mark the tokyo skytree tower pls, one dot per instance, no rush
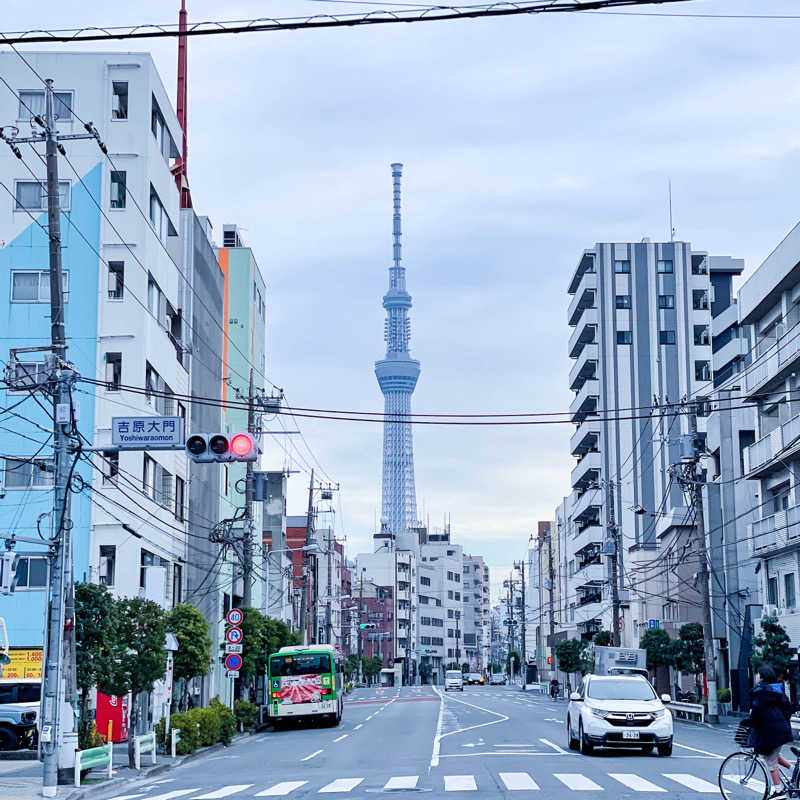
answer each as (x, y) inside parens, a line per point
(397, 375)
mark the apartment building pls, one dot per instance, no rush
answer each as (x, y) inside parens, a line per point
(641, 339)
(475, 611)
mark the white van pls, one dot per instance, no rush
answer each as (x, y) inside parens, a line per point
(453, 679)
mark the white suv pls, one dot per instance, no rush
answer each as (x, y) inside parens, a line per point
(618, 711)
(453, 679)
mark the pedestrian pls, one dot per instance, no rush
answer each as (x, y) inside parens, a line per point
(770, 711)
(554, 688)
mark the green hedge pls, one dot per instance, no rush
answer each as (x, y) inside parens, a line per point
(246, 714)
(200, 727)
(227, 720)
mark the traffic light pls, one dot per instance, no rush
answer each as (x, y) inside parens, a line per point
(367, 626)
(223, 447)
(8, 572)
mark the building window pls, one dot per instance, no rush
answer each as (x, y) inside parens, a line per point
(32, 196)
(458, 595)
(26, 375)
(118, 188)
(700, 300)
(772, 591)
(119, 100)
(624, 337)
(449, 594)
(158, 393)
(116, 280)
(31, 103)
(666, 301)
(622, 267)
(113, 371)
(161, 133)
(159, 218)
(33, 285)
(27, 473)
(699, 265)
(148, 475)
(177, 584)
(179, 498)
(788, 587)
(666, 337)
(110, 467)
(702, 370)
(664, 265)
(701, 336)
(108, 562)
(425, 581)
(623, 301)
(32, 572)
(780, 498)
(450, 613)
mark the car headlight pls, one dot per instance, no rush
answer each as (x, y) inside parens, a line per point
(660, 714)
(598, 712)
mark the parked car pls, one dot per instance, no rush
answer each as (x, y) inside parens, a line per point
(453, 679)
(19, 710)
(618, 711)
(474, 679)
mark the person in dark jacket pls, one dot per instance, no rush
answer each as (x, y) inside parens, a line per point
(770, 711)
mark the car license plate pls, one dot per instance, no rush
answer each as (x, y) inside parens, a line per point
(630, 734)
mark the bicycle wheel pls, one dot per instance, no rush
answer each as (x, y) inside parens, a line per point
(743, 776)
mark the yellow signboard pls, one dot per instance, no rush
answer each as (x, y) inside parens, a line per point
(26, 662)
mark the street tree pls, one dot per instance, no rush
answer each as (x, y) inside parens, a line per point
(603, 639)
(660, 649)
(141, 658)
(372, 666)
(193, 656)
(350, 666)
(96, 639)
(773, 645)
(569, 654)
(512, 662)
(690, 653)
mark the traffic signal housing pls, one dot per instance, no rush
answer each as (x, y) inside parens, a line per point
(222, 447)
(367, 626)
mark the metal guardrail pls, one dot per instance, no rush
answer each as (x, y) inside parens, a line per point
(146, 743)
(689, 710)
(93, 757)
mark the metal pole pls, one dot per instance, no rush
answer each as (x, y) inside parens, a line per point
(249, 526)
(329, 610)
(703, 575)
(524, 665)
(304, 580)
(553, 667)
(58, 734)
(360, 607)
(612, 532)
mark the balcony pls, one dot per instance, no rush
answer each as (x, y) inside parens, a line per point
(586, 264)
(585, 438)
(589, 579)
(736, 348)
(587, 471)
(587, 505)
(763, 457)
(588, 537)
(774, 357)
(776, 532)
(584, 297)
(585, 367)
(584, 333)
(585, 401)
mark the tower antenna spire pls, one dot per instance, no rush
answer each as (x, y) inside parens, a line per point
(179, 170)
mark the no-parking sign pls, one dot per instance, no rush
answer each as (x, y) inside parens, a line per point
(233, 662)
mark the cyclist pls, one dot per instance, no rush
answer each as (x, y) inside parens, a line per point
(770, 711)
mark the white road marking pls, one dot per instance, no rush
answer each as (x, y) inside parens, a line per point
(503, 718)
(554, 746)
(308, 758)
(692, 782)
(225, 791)
(517, 781)
(281, 789)
(695, 750)
(577, 782)
(514, 745)
(175, 793)
(341, 785)
(343, 736)
(360, 725)
(756, 786)
(460, 783)
(402, 782)
(438, 735)
(635, 782)
(128, 796)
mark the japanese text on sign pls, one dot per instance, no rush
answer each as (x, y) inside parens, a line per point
(147, 433)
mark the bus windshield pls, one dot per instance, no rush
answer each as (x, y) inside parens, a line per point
(305, 664)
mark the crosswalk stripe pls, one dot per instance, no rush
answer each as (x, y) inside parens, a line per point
(341, 785)
(281, 789)
(173, 794)
(128, 796)
(516, 781)
(225, 791)
(402, 782)
(576, 781)
(460, 783)
(635, 782)
(756, 786)
(691, 782)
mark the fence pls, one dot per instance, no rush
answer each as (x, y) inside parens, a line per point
(93, 757)
(146, 743)
(688, 710)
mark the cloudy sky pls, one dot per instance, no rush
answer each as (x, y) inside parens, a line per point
(525, 140)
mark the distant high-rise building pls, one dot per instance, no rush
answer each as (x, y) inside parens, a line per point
(397, 375)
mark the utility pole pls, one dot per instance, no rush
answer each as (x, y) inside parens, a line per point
(304, 579)
(551, 587)
(360, 609)
(613, 540)
(694, 480)
(249, 525)
(329, 609)
(524, 665)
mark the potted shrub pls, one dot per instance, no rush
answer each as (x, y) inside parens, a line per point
(724, 700)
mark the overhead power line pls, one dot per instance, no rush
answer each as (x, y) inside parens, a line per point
(269, 24)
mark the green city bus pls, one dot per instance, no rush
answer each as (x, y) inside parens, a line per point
(305, 682)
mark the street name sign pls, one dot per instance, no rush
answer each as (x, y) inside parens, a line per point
(147, 433)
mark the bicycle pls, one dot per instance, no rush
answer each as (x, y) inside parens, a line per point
(744, 774)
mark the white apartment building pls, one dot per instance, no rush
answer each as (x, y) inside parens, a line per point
(475, 613)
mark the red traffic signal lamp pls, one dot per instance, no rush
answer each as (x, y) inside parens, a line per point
(222, 447)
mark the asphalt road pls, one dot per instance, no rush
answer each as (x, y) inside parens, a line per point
(489, 739)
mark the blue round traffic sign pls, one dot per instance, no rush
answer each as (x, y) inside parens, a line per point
(233, 662)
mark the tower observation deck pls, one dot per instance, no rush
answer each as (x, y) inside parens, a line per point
(397, 376)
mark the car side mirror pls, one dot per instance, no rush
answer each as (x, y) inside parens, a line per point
(665, 698)
(575, 697)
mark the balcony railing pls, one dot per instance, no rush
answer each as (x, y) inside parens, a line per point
(585, 366)
(587, 470)
(584, 333)
(583, 298)
(585, 401)
(585, 437)
(773, 355)
(775, 531)
(770, 446)
(587, 503)
(591, 535)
